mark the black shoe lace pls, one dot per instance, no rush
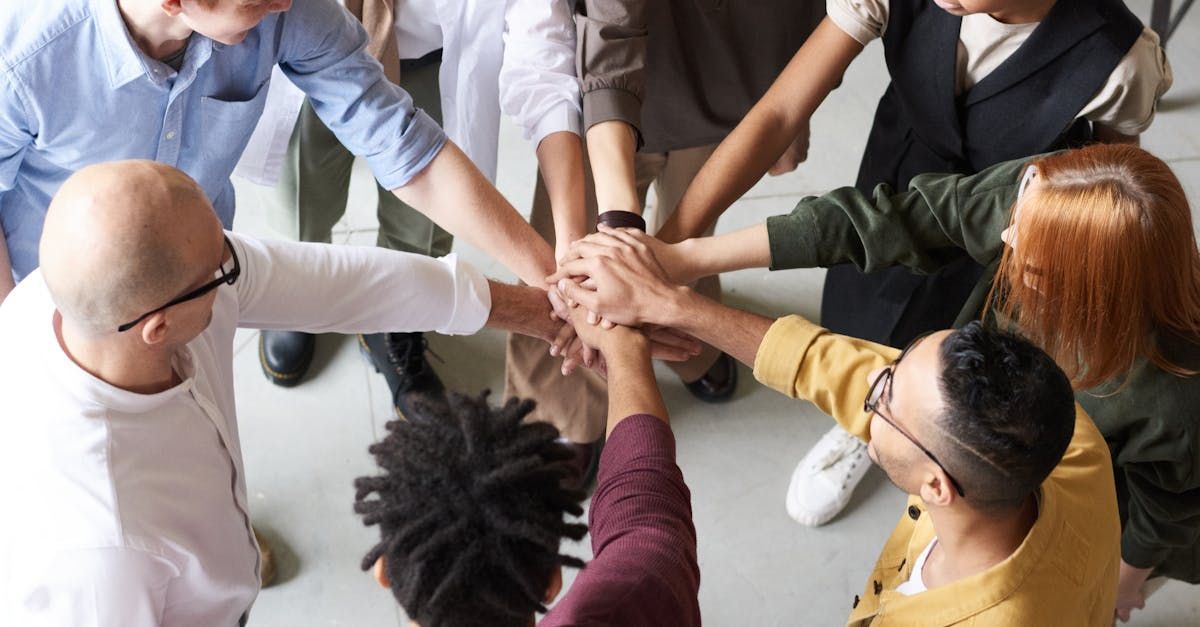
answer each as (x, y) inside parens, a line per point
(406, 352)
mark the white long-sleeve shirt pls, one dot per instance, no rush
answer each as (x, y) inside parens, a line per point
(515, 56)
(124, 509)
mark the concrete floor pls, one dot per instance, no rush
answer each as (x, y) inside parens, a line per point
(304, 447)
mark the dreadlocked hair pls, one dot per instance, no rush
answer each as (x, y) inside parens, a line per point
(470, 508)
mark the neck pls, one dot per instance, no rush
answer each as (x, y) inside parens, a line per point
(970, 541)
(1024, 12)
(112, 360)
(158, 34)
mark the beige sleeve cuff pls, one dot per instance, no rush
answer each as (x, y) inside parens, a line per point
(1128, 101)
(863, 20)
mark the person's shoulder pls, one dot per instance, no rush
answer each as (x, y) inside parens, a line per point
(27, 303)
(27, 28)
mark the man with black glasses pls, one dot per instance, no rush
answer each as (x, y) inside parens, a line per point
(1012, 513)
(120, 462)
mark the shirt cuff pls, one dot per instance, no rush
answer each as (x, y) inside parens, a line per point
(782, 352)
(415, 150)
(611, 103)
(851, 24)
(561, 118)
(472, 298)
(793, 239)
(1139, 555)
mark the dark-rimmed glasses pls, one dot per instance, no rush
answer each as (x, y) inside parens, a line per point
(874, 399)
(222, 277)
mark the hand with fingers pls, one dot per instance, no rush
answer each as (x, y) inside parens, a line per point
(623, 281)
(670, 257)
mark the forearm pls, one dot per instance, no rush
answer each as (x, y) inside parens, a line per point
(455, 195)
(767, 130)
(705, 256)
(6, 280)
(560, 161)
(632, 387)
(521, 309)
(734, 331)
(611, 148)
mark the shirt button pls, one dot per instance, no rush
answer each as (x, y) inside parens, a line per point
(914, 512)
(170, 134)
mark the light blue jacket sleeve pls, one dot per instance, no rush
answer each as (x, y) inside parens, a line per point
(15, 133)
(323, 51)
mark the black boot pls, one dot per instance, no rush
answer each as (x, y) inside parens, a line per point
(285, 356)
(400, 358)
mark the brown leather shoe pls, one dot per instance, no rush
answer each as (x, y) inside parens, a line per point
(266, 568)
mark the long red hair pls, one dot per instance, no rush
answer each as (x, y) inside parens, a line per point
(1103, 261)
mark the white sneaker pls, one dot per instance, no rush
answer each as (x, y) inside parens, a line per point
(824, 480)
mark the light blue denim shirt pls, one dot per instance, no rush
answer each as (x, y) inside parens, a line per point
(75, 90)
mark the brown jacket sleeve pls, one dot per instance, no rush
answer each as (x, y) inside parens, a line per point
(611, 60)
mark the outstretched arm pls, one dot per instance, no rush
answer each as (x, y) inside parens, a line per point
(759, 141)
(612, 69)
(455, 195)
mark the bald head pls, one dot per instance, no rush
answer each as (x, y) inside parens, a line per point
(122, 238)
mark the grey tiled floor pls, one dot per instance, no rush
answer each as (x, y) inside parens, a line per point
(303, 447)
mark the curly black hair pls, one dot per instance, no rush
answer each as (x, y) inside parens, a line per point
(1010, 410)
(471, 509)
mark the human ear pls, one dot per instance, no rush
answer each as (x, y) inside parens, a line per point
(936, 489)
(380, 573)
(172, 7)
(556, 584)
(154, 331)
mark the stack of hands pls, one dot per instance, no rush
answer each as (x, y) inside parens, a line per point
(612, 282)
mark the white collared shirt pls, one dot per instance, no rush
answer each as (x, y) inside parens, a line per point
(515, 56)
(130, 510)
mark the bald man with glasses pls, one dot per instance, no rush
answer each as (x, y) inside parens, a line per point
(120, 461)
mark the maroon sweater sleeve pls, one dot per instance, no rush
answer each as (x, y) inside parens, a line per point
(644, 569)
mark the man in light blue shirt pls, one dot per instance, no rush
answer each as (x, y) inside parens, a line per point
(85, 81)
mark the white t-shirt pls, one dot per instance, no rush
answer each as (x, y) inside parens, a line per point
(130, 509)
(916, 583)
(1126, 103)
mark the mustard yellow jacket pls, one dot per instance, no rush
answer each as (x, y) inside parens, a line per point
(1063, 574)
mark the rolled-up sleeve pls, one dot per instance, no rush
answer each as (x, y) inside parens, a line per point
(323, 288)
(804, 360)
(324, 53)
(612, 60)
(538, 85)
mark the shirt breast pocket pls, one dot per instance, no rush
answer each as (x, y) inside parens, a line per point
(229, 123)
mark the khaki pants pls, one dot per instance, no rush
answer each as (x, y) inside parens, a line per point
(578, 404)
(312, 192)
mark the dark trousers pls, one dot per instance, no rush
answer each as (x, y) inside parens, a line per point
(893, 306)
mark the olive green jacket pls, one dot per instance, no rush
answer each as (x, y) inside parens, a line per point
(1152, 424)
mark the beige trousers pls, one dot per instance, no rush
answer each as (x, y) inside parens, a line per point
(578, 404)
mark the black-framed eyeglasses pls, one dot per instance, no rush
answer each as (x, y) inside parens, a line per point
(226, 274)
(871, 405)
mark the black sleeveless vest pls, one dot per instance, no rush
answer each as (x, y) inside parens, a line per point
(1026, 106)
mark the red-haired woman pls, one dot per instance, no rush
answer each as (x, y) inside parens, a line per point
(1100, 267)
